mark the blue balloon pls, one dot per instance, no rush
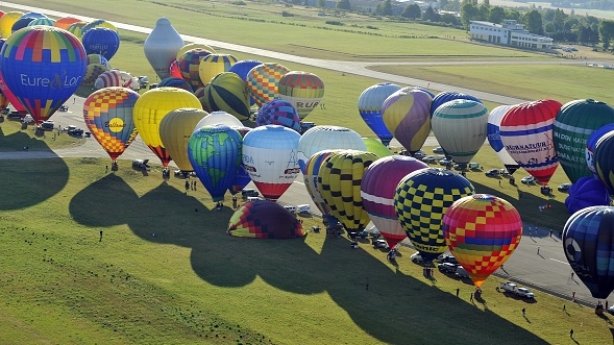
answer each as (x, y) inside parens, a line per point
(370, 108)
(242, 68)
(588, 240)
(215, 154)
(604, 164)
(585, 192)
(176, 82)
(21, 23)
(591, 144)
(101, 41)
(447, 96)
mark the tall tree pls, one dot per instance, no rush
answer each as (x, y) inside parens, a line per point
(344, 5)
(533, 20)
(412, 12)
(497, 14)
(469, 12)
(606, 30)
(385, 8)
(430, 15)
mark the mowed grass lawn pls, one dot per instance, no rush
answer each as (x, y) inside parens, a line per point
(166, 272)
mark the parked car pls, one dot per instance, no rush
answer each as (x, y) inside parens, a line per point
(449, 258)
(528, 180)
(429, 159)
(524, 293)
(438, 150)
(512, 288)
(416, 258)
(47, 125)
(508, 286)
(493, 173)
(445, 161)
(419, 154)
(380, 244)
(564, 187)
(461, 272)
(246, 193)
(447, 268)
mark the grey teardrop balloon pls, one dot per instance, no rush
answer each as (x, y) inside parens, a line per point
(161, 47)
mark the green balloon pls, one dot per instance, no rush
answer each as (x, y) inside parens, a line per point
(375, 146)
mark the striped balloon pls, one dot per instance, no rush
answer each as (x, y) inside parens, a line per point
(98, 23)
(263, 81)
(320, 138)
(212, 65)
(448, 96)
(42, 21)
(113, 78)
(377, 189)
(310, 177)
(279, 112)
(526, 132)
(108, 116)
(77, 29)
(188, 64)
(370, 104)
(303, 90)
(460, 128)
(494, 138)
(227, 92)
(482, 232)
(96, 65)
(191, 46)
(407, 116)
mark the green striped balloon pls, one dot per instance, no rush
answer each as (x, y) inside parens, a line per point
(227, 92)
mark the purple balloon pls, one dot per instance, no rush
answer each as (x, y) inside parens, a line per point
(279, 112)
(585, 192)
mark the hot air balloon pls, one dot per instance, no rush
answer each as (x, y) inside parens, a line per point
(526, 132)
(175, 71)
(215, 154)
(339, 185)
(214, 64)
(98, 23)
(263, 80)
(242, 67)
(591, 144)
(4, 102)
(264, 219)
(188, 64)
(375, 146)
(242, 178)
(269, 156)
(219, 118)
(421, 200)
(64, 23)
(161, 47)
(303, 90)
(175, 131)
(10, 96)
(175, 82)
(21, 23)
(494, 138)
(572, 128)
(42, 21)
(76, 28)
(150, 110)
(482, 232)
(585, 192)
(447, 96)
(279, 112)
(116, 78)
(370, 104)
(191, 46)
(604, 164)
(43, 66)
(101, 41)
(108, 116)
(96, 65)
(460, 128)
(320, 138)
(377, 189)
(310, 177)
(7, 21)
(588, 241)
(407, 116)
(227, 92)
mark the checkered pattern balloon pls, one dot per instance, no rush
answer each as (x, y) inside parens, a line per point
(264, 219)
(263, 81)
(188, 65)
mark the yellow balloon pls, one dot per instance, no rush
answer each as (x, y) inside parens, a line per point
(175, 131)
(214, 64)
(7, 21)
(191, 46)
(152, 107)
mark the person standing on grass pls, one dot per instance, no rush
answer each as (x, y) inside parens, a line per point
(100, 240)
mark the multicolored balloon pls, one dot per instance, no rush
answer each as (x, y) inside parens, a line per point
(320, 138)
(43, 66)
(99, 23)
(303, 90)
(189, 63)
(191, 46)
(588, 241)
(339, 185)
(482, 232)
(604, 164)
(215, 154)
(96, 65)
(212, 65)
(264, 219)
(421, 200)
(377, 190)
(447, 96)
(572, 128)
(407, 116)
(279, 112)
(150, 110)
(310, 177)
(263, 81)
(370, 104)
(42, 21)
(116, 78)
(75, 29)
(494, 138)
(161, 47)
(64, 23)
(101, 41)
(7, 21)
(526, 132)
(591, 145)
(587, 191)
(10, 96)
(108, 116)
(270, 158)
(227, 92)
(460, 128)
(175, 131)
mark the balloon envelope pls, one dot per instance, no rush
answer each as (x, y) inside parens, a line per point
(189, 63)
(407, 116)
(175, 131)
(263, 81)
(370, 104)
(588, 240)
(303, 90)
(494, 138)
(320, 138)
(604, 164)
(242, 67)
(585, 192)
(214, 64)
(227, 92)
(161, 47)
(101, 41)
(7, 21)
(279, 112)
(175, 82)
(482, 232)
(447, 96)
(591, 145)
(114, 78)
(64, 23)
(310, 177)
(264, 219)
(219, 118)
(375, 146)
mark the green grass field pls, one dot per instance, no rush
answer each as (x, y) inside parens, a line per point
(13, 138)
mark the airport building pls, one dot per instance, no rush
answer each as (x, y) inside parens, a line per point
(509, 33)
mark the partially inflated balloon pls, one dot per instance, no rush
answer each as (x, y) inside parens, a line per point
(279, 112)
(98, 23)
(370, 104)
(188, 64)
(96, 65)
(175, 82)
(161, 47)
(407, 116)
(75, 29)
(7, 21)
(303, 89)
(494, 138)
(588, 241)
(591, 145)
(375, 146)
(264, 219)
(64, 23)
(108, 116)
(214, 64)
(320, 138)
(116, 78)
(151, 109)
(526, 132)
(219, 118)
(460, 128)
(269, 156)
(191, 46)
(215, 154)
(227, 92)
(377, 189)
(174, 70)
(482, 232)
(572, 128)
(42, 21)
(604, 164)
(585, 192)
(21, 23)
(175, 131)
(101, 41)
(43, 66)
(448, 96)
(421, 200)
(263, 81)
(339, 184)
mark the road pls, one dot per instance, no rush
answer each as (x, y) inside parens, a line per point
(548, 271)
